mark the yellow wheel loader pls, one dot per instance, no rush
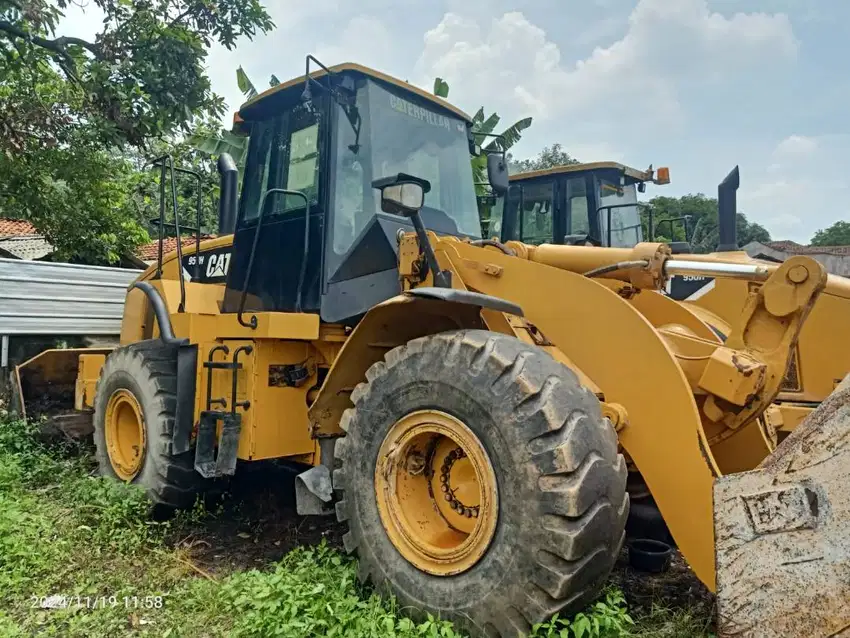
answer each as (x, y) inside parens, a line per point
(598, 204)
(467, 406)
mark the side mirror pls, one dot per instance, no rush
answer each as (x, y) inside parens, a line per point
(497, 173)
(402, 194)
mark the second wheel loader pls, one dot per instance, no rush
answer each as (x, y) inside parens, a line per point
(598, 203)
(465, 405)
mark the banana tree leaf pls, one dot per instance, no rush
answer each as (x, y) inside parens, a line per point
(510, 136)
(485, 127)
(245, 84)
(441, 88)
(478, 117)
(273, 81)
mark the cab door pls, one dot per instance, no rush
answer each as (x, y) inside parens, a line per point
(284, 152)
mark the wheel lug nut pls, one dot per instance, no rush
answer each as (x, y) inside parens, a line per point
(444, 487)
(449, 498)
(468, 513)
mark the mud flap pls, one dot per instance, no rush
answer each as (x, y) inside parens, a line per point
(782, 533)
(314, 488)
(314, 492)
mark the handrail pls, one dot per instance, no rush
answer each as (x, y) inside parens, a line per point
(161, 161)
(253, 322)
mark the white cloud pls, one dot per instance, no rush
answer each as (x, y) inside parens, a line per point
(804, 189)
(795, 145)
(669, 48)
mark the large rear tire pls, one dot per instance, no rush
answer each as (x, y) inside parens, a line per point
(527, 504)
(134, 412)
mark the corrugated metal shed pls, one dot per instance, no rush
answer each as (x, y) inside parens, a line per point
(41, 298)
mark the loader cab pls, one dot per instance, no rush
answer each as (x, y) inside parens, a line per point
(581, 203)
(351, 126)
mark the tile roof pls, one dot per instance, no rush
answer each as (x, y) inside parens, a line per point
(148, 252)
(793, 248)
(28, 247)
(15, 227)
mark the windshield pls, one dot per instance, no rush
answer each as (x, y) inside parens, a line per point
(621, 202)
(383, 134)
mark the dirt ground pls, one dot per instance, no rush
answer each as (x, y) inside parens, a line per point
(255, 523)
(678, 588)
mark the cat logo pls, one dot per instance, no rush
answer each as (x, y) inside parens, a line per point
(217, 265)
(211, 266)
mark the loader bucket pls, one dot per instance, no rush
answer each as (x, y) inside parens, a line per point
(46, 383)
(783, 533)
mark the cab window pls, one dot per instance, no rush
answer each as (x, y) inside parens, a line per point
(284, 153)
(537, 213)
(577, 220)
(619, 204)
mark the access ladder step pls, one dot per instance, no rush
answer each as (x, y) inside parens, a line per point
(208, 463)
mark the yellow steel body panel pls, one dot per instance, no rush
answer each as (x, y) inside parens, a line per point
(791, 415)
(824, 357)
(279, 425)
(275, 423)
(51, 375)
(87, 376)
(720, 379)
(387, 325)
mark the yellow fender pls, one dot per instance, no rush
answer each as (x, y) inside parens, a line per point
(618, 348)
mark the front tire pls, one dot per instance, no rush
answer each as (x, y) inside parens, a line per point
(134, 411)
(509, 431)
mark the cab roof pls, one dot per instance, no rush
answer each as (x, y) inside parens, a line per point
(641, 176)
(358, 68)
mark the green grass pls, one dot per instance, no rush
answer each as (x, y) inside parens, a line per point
(65, 532)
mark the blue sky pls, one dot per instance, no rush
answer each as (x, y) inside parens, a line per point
(696, 85)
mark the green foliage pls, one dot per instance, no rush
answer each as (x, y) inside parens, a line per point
(606, 618)
(79, 118)
(64, 532)
(141, 77)
(213, 141)
(441, 88)
(702, 211)
(245, 84)
(482, 130)
(836, 235)
(313, 592)
(549, 157)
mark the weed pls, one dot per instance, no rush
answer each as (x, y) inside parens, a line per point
(313, 591)
(64, 532)
(606, 618)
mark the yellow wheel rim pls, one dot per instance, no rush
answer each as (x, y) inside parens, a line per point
(436, 492)
(125, 434)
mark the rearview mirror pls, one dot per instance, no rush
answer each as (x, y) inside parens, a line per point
(402, 194)
(497, 173)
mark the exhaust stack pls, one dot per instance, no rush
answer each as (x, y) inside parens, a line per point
(227, 202)
(727, 211)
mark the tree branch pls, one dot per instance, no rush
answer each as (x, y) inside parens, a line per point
(58, 46)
